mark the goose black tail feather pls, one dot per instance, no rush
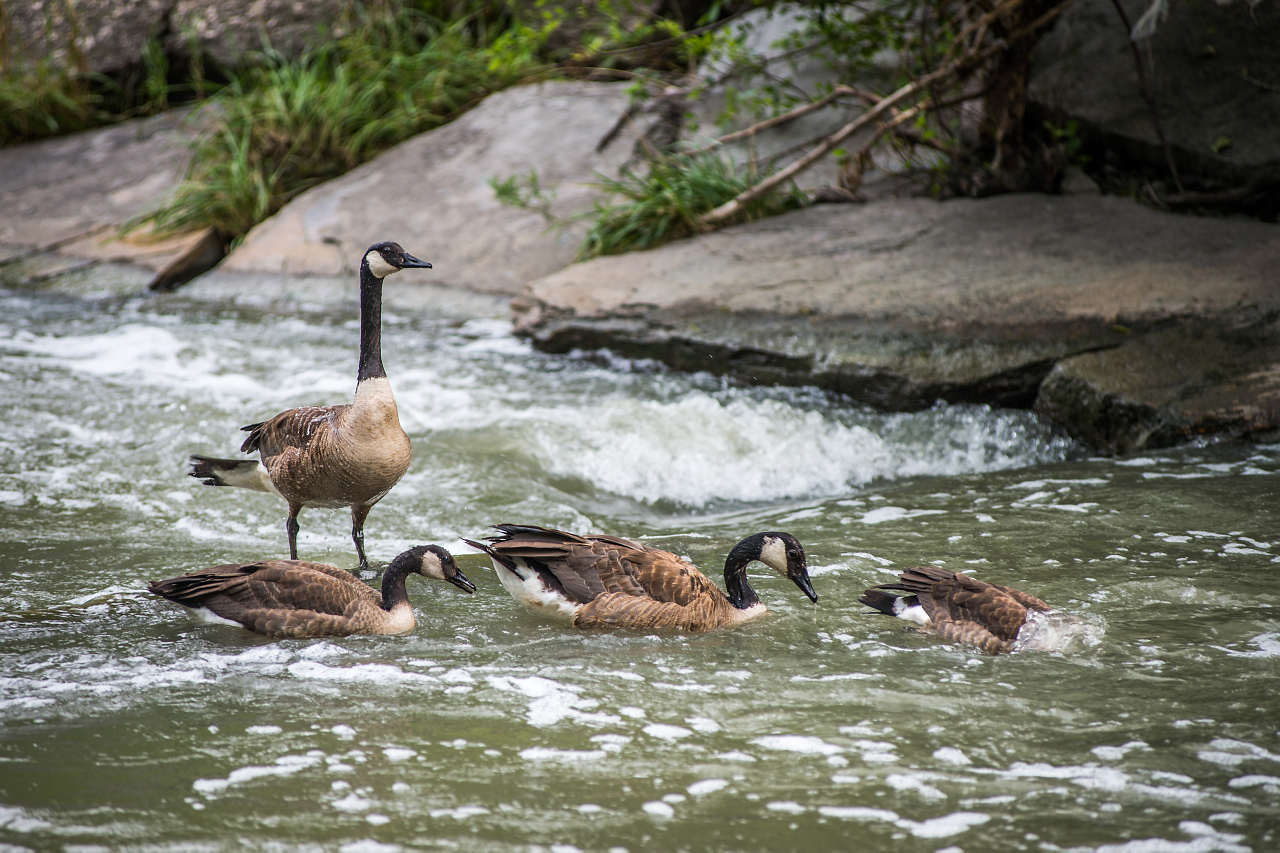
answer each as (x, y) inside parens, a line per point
(501, 560)
(886, 602)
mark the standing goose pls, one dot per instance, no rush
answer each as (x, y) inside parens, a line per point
(332, 456)
(992, 617)
(295, 598)
(607, 582)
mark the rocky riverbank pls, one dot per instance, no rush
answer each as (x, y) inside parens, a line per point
(1130, 327)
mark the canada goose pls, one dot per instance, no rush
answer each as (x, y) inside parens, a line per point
(332, 456)
(607, 582)
(954, 606)
(296, 598)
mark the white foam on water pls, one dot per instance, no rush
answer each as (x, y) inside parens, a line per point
(944, 826)
(1115, 753)
(858, 813)
(705, 725)
(951, 755)
(707, 786)
(368, 845)
(365, 673)
(1231, 753)
(611, 742)
(459, 812)
(657, 808)
(16, 819)
(353, 803)
(1204, 839)
(398, 753)
(550, 701)
(665, 731)
(917, 782)
(286, 765)
(788, 806)
(896, 513)
(699, 448)
(543, 753)
(803, 744)
(144, 353)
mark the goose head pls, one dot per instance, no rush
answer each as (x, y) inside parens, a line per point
(383, 259)
(432, 561)
(780, 552)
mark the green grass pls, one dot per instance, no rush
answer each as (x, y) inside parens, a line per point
(664, 204)
(286, 126)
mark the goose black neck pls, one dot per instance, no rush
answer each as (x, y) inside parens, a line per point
(393, 590)
(736, 585)
(370, 325)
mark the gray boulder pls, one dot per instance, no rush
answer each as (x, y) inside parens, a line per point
(63, 201)
(111, 34)
(432, 194)
(1214, 72)
(898, 304)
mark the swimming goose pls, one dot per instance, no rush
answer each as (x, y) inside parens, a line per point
(332, 456)
(296, 598)
(992, 617)
(608, 582)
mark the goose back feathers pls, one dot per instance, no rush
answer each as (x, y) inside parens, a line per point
(610, 582)
(346, 455)
(296, 598)
(959, 608)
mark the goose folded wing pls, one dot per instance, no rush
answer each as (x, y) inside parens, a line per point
(301, 586)
(962, 599)
(665, 577)
(292, 429)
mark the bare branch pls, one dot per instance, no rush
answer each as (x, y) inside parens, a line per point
(733, 206)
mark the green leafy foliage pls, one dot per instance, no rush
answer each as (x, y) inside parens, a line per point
(664, 204)
(285, 126)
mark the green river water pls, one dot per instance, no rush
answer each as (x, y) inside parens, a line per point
(127, 723)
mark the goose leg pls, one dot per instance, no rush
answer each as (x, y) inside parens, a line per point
(358, 515)
(291, 527)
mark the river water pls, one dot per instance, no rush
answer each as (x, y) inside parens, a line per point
(128, 723)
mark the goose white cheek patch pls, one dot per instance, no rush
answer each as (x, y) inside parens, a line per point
(378, 265)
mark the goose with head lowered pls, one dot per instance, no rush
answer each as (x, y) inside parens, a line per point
(296, 598)
(964, 610)
(608, 582)
(332, 456)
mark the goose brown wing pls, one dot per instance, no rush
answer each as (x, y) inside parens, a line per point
(292, 433)
(617, 610)
(586, 567)
(232, 591)
(953, 597)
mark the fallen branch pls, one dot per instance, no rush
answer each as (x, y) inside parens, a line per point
(783, 118)
(731, 207)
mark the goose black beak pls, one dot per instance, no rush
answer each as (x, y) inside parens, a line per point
(460, 580)
(412, 263)
(801, 579)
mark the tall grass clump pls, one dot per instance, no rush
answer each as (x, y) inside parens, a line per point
(665, 203)
(285, 126)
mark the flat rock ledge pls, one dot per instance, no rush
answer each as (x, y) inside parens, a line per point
(1129, 327)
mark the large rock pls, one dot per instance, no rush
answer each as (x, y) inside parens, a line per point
(1214, 72)
(111, 35)
(432, 194)
(63, 201)
(900, 303)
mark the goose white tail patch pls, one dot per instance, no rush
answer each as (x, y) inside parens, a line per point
(378, 265)
(914, 613)
(528, 589)
(249, 476)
